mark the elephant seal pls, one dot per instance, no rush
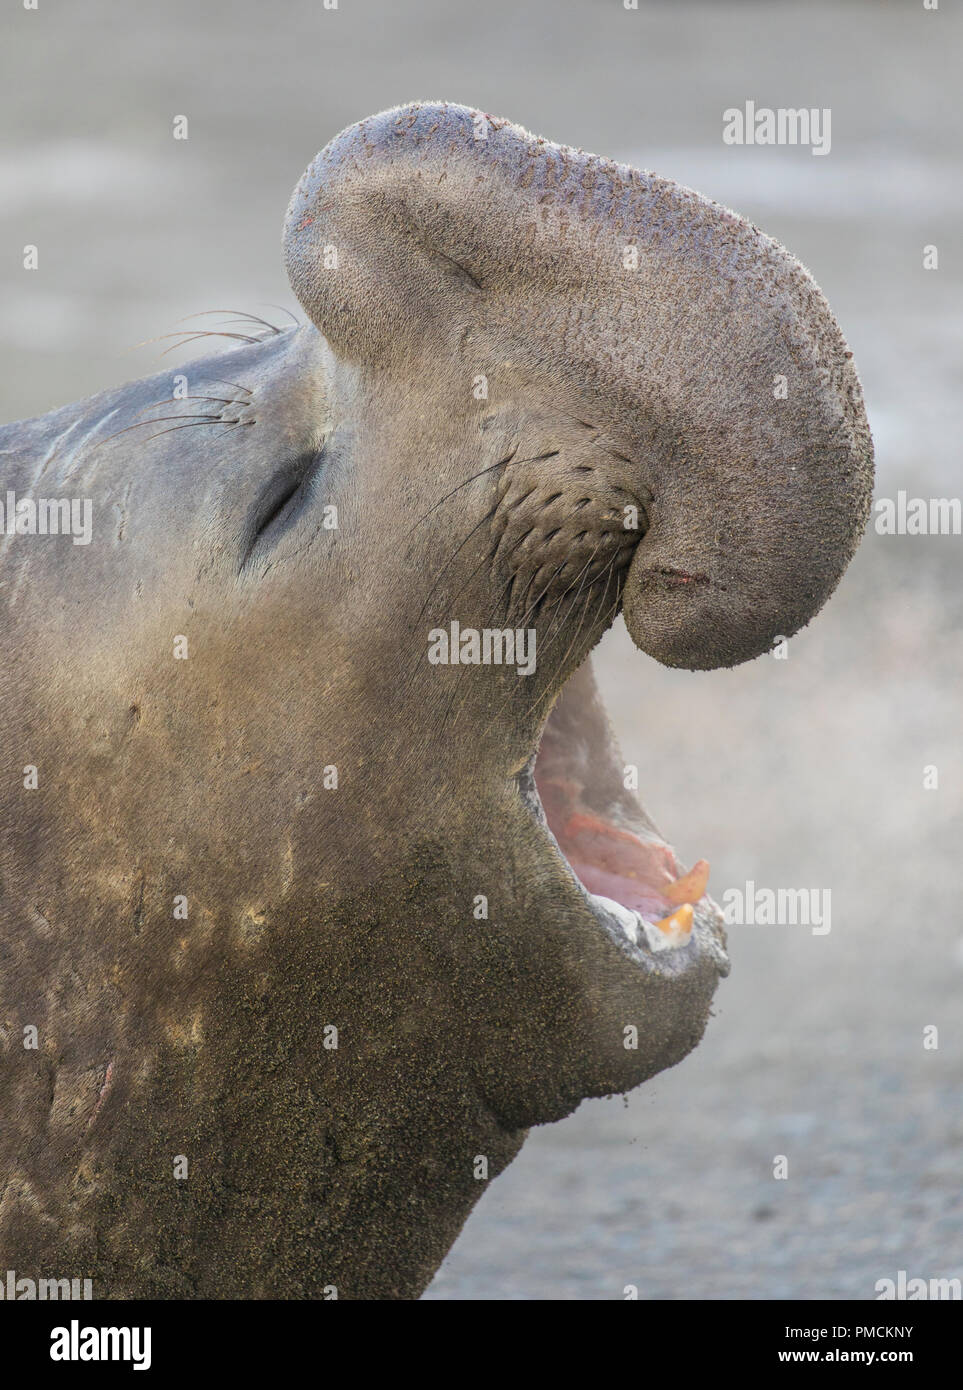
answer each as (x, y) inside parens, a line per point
(321, 883)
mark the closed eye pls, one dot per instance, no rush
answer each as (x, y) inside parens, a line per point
(280, 501)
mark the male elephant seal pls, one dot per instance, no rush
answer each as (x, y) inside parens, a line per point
(293, 950)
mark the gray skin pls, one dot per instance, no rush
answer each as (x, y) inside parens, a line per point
(313, 1167)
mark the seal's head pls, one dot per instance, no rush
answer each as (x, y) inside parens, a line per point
(332, 860)
(599, 392)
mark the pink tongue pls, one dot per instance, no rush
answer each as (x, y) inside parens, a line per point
(640, 873)
(617, 863)
(628, 891)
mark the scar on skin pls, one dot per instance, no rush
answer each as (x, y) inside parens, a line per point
(108, 1077)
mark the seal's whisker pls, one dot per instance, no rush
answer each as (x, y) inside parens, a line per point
(238, 314)
(531, 580)
(256, 318)
(191, 424)
(234, 384)
(485, 559)
(560, 667)
(173, 400)
(517, 599)
(535, 602)
(511, 695)
(499, 607)
(487, 517)
(191, 336)
(609, 571)
(258, 335)
(194, 419)
(557, 624)
(224, 400)
(500, 464)
(496, 612)
(536, 458)
(282, 310)
(561, 613)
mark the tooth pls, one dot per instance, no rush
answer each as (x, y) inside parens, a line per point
(679, 924)
(627, 919)
(671, 933)
(691, 887)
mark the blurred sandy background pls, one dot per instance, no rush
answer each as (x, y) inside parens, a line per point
(803, 773)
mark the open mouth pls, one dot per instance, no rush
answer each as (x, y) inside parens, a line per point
(574, 786)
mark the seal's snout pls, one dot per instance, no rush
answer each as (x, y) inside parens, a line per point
(762, 492)
(758, 551)
(697, 625)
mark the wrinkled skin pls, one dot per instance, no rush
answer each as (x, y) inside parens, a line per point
(313, 1167)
